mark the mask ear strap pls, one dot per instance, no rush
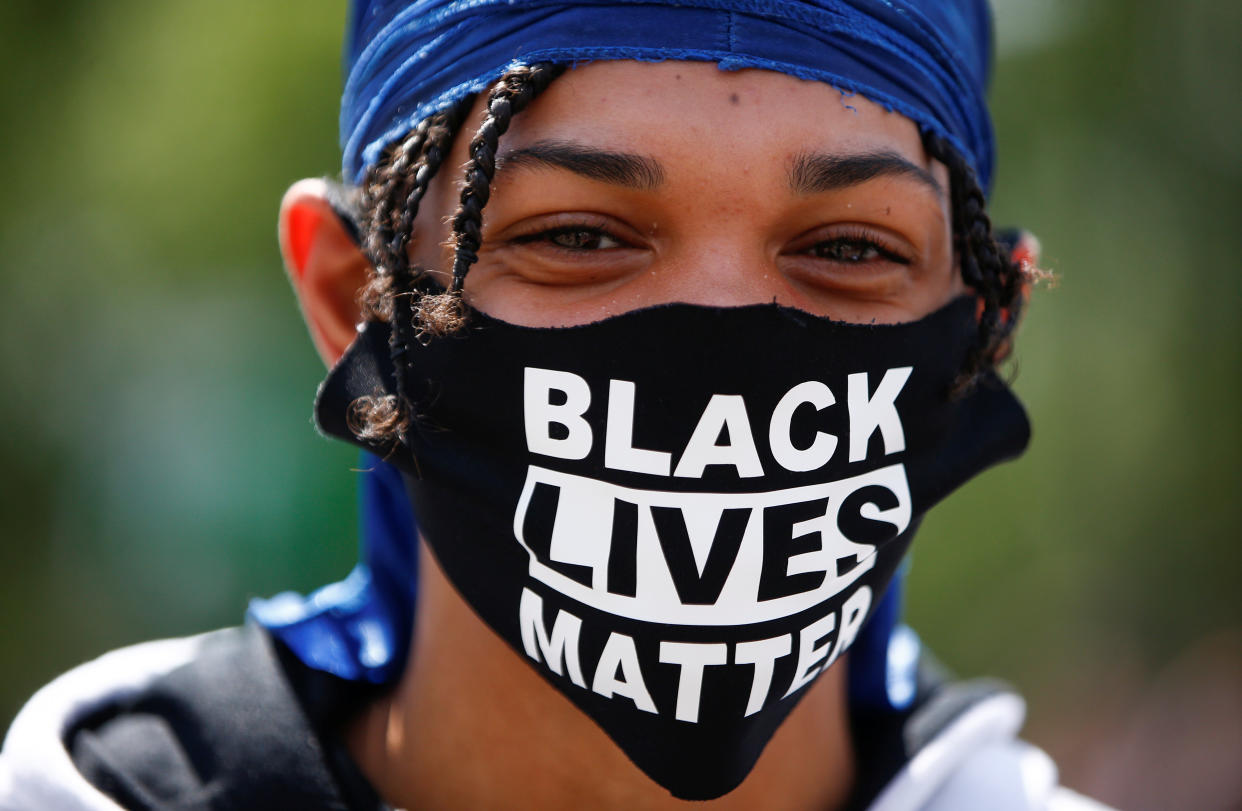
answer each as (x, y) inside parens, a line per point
(364, 371)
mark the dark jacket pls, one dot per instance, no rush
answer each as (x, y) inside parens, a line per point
(233, 720)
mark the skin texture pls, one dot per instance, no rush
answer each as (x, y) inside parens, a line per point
(735, 195)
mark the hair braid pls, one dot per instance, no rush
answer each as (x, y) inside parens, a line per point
(381, 187)
(510, 96)
(391, 195)
(439, 136)
(439, 314)
(996, 279)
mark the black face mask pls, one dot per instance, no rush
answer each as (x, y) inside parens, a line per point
(680, 516)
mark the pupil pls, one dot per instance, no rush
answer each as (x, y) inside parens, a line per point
(847, 250)
(579, 240)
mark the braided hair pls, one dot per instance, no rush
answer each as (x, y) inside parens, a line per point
(390, 197)
(999, 282)
(394, 187)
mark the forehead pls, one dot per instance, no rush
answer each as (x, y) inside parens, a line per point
(697, 108)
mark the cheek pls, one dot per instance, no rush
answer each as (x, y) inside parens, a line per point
(511, 297)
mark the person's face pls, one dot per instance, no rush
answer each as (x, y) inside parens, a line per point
(630, 184)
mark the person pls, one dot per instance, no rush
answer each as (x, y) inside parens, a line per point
(663, 381)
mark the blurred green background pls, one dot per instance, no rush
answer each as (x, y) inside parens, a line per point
(159, 466)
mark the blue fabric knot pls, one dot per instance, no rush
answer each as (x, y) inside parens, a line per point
(360, 628)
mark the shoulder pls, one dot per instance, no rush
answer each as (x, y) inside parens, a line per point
(36, 770)
(962, 753)
(214, 720)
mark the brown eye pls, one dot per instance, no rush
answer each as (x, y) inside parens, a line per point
(851, 250)
(846, 250)
(576, 239)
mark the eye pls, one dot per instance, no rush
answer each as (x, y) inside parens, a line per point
(579, 238)
(856, 248)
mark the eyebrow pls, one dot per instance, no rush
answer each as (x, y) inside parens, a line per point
(813, 173)
(618, 168)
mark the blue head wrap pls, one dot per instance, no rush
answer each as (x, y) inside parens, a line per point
(927, 59)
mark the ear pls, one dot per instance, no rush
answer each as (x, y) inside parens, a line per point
(325, 265)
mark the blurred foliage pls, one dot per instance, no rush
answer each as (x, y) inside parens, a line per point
(158, 461)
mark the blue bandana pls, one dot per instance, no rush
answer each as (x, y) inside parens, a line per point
(928, 60)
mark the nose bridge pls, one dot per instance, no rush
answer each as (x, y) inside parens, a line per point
(724, 265)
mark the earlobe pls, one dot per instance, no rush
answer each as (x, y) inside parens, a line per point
(325, 265)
